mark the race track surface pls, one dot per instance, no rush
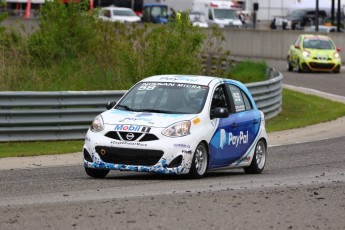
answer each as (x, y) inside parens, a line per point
(302, 187)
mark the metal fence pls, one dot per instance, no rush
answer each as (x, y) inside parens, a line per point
(34, 116)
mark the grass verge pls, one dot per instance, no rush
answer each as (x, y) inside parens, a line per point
(299, 110)
(23, 149)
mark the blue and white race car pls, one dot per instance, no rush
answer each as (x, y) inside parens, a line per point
(178, 124)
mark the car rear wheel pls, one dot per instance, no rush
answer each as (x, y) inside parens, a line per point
(259, 158)
(199, 162)
(96, 173)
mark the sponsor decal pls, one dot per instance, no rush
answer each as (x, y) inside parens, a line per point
(136, 119)
(182, 146)
(240, 139)
(188, 152)
(132, 128)
(245, 159)
(143, 115)
(181, 78)
(232, 139)
(128, 143)
(237, 97)
(196, 121)
(240, 108)
(153, 85)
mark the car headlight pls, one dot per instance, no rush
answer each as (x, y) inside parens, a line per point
(306, 53)
(97, 124)
(179, 129)
(336, 55)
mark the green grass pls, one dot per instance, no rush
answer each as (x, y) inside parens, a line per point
(248, 71)
(299, 110)
(21, 149)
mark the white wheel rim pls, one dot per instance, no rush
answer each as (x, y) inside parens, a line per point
(260, 153)
(200, 159)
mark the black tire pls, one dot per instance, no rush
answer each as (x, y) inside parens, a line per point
(337, 70)
(259, 159)
(199, 162)
(96, 173)
(299, 69)
(290, 67)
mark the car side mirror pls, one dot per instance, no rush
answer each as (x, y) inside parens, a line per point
(110, 104)
(220, 112)
(297, 47)
(338, 49)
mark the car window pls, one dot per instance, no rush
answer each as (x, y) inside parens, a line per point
(210, 16)
(296, 14)
(123, 13)
(219, 98)
(241, 101)
(197, 17)
(298, 41)
(157, 11)
(146, 12)
(225, 13)
(106, 13)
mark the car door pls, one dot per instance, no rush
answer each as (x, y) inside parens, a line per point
(236, 133)
(296, 50)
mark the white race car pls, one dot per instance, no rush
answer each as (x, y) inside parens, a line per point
(178, 124)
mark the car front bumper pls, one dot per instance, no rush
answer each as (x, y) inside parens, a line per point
(320, 65)
(173, 158)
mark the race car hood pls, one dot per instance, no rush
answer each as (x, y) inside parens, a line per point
(115, 116)
(321, 54)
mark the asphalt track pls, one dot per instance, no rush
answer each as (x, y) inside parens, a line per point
(302, 187)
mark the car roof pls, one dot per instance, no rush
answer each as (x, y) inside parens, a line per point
(117, 8)
(196, 12)
(154, 4)
(313, 28)
(188, 79)
(316, 35)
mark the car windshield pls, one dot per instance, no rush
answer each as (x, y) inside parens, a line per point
(197, 17)
(225, 14)
(123, 13)
(159, 11)
(296, 14)
(165, 97)
(323, 44)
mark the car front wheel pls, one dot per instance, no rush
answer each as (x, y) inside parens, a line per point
(259, 159)
(299, 69)
(290, 67)
(96, 173)
(199, 162)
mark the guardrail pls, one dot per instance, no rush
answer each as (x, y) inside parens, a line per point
(35, 116)
(268, 94)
